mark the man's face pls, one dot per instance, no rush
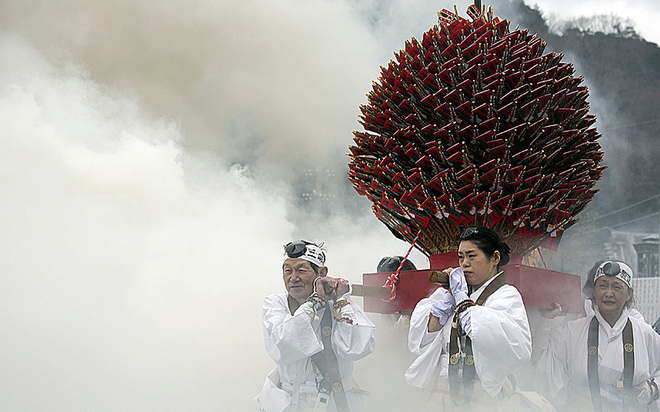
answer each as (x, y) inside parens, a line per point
(298, 278)
(610, 295)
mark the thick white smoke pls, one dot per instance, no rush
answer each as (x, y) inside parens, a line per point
(133, 268)
(125, 260)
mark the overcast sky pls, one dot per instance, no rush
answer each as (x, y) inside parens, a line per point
(133, 266)
(644, 13)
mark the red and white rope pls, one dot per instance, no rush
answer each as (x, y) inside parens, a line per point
(393, 279)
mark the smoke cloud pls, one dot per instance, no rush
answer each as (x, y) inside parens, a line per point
(137, 246)
(124, 257)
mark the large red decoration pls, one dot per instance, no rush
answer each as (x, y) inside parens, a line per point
(475, 125)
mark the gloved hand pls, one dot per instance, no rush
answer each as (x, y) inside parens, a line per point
(443, 308)
(458, 285)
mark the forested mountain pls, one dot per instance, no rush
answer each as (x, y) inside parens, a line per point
(622, 72)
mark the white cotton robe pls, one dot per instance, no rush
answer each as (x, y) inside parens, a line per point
(501, 339)
(291, 340)
(563, 364)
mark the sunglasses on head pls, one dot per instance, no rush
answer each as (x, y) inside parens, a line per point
(296, 249)
(469, 232)
(610, 269)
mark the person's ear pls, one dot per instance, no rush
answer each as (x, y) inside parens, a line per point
(323, 272)
(496, 257)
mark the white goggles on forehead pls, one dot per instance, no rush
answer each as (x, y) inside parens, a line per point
(617, 270)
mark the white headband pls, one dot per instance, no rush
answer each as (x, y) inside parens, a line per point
(625, 272)
(313, 254)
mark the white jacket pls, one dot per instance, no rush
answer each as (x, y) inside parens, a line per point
(563, 364)
(501, 339)
(291, 340)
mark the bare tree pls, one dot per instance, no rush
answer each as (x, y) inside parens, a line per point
(604, 23)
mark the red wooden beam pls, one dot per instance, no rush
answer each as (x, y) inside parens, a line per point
(538, 287)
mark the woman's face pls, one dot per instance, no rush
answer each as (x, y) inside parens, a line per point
(477, 267)
(611, 294)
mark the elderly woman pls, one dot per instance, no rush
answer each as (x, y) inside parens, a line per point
(608, 360)
(588, 295)
(469, 343)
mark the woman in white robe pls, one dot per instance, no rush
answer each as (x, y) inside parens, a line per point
(588, 304)
(497, 327)
(563, 375)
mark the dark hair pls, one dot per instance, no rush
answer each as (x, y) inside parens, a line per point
(391, 264)
(488, 242)
(588, 288)
(315, 268)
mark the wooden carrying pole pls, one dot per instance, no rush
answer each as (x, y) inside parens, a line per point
(385, 292)
(381, 292)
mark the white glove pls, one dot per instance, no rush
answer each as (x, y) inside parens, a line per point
(458, 285)
(443, 308)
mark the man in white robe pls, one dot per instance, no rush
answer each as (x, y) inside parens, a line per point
(293, 334)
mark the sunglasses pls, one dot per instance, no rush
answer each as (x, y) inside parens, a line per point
(613, 269)
(610, 269)
(469, 232)
(296, 249)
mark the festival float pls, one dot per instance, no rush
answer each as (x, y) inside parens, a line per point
(474, 125)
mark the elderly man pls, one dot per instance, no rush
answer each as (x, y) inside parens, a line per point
(313, 332)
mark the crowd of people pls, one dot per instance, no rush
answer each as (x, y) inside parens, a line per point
(472, 340)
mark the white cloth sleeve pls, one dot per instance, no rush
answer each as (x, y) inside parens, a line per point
(427, 345)
(552, 367)
(353, 341)
(418, 335)
(501, 339)
(465, 319)
(289, 338)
